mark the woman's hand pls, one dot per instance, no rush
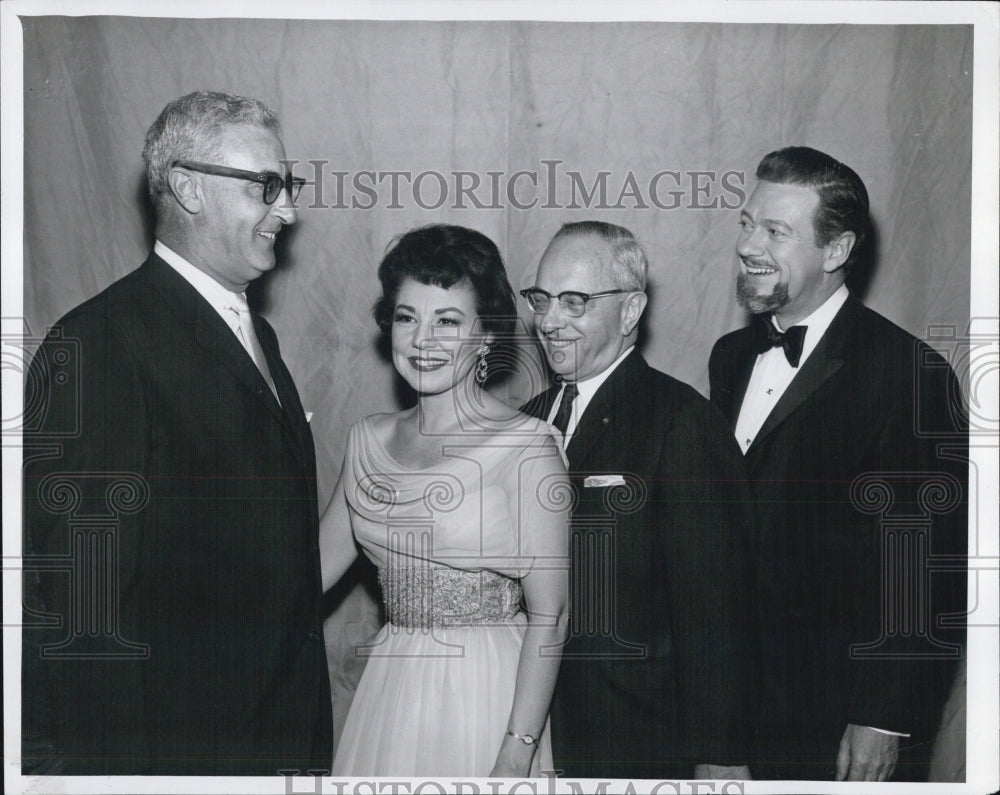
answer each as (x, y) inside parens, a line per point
(514, 759)
(545, 539)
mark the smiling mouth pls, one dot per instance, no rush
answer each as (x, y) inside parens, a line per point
(758, 268)
(268, 235)
(425, 364)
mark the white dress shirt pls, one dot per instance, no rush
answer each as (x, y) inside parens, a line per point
(232, 307)
(218, 297)
(772, 373)
(587, 389)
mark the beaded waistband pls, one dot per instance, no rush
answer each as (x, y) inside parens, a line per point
(428, 596)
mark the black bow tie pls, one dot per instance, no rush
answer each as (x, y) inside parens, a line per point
(766, 336)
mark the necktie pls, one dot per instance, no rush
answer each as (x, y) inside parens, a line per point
(249, 338)
(766, 336)
(561, 420)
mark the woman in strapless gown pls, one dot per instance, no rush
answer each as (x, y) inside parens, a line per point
(462, 503)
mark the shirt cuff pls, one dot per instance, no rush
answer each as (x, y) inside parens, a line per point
(886, 731)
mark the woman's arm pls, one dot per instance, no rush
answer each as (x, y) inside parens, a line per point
(337, 549)
(540, 500)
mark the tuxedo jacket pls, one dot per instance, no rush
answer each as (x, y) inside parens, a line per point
(173, 600)
(859, 474)
(658, 672)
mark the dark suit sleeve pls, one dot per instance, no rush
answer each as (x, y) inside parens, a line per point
(707, 526)
(84, 454)
(922, 450)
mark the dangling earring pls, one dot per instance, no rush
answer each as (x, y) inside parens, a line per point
(481, 367)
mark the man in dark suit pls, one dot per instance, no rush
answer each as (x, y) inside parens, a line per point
(840, 415)
(173, 607)
(657, 676)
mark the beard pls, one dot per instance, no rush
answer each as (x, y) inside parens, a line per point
(756, 303)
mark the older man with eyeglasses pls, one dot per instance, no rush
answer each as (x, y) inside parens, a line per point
(657, 678)
(173, 598)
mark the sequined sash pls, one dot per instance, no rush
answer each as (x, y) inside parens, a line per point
(428, 596)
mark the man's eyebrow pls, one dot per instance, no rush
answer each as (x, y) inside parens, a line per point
(776, 222)
(766, 221)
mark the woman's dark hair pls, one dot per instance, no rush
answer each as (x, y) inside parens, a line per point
(445, 255)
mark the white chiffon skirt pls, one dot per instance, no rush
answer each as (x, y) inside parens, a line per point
(434, 702)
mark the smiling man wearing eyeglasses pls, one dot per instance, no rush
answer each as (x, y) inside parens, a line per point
(657, 676)
(201, 651)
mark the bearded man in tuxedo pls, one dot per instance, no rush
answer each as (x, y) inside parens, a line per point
(855, 440)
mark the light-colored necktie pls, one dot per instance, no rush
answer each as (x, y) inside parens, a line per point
(250, 342)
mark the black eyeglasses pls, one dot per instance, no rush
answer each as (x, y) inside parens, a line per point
(272, 182)
(572, 303)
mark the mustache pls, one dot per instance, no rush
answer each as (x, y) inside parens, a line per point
(757, 262)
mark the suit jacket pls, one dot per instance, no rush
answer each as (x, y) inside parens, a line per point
(173, 601)
(838, 471)
(658, 671)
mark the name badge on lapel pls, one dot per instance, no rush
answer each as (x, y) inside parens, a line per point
(603, 481)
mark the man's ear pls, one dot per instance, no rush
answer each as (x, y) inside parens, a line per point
(632, 309)
(186, 189)
(837, 251)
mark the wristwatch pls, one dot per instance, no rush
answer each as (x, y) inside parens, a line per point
(527, 739)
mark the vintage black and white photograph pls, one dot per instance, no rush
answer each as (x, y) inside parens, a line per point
(494, 398)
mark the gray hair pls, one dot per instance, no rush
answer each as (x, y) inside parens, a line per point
(628, 259)
(189, 128)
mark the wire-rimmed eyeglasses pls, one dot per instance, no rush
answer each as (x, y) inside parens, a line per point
(571, 302)
(272, 182)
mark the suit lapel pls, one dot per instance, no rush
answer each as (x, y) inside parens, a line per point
(599, 417)
(740, 362)
(825, 360)
(291, 415)
(218, 340)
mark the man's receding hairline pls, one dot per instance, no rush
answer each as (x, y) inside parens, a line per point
(605, 260)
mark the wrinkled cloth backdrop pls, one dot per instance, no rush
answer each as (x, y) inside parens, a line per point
(630, 99)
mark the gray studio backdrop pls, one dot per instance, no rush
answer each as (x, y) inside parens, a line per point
(512, 128)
